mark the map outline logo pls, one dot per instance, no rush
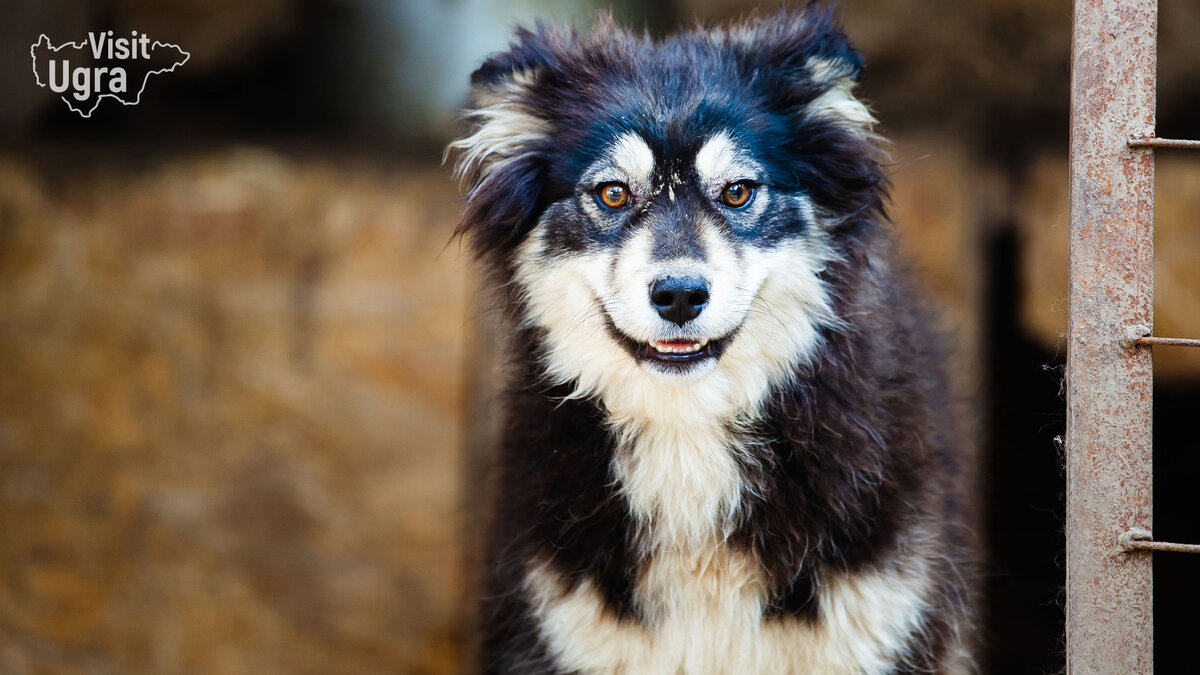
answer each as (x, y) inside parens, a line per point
(83, 86)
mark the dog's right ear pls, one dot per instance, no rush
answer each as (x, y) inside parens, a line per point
(503, 158)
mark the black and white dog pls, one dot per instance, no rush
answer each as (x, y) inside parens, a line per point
(728, 445)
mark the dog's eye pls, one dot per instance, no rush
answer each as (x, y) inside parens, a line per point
(613, 195)
(737, 194)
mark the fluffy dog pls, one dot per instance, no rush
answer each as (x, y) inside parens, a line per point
(728, 445)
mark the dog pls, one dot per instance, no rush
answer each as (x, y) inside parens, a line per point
(728, 445)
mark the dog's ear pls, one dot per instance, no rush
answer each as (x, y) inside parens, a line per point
(806, 68)
(815, 66)
(503, 158)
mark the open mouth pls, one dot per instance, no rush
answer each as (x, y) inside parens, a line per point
(676, 354)
(678, 351)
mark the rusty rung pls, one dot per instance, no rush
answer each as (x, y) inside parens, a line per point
(1151, 340)
(1156, 142)
(1138, 539)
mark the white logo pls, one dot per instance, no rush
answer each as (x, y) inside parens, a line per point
(119, 67)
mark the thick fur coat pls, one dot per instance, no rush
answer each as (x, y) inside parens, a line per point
(728, 444)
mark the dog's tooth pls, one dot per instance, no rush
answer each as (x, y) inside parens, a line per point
(664, 348)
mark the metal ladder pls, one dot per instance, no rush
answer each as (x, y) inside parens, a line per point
(1109, 380)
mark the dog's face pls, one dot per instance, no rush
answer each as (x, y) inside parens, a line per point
(669, 210)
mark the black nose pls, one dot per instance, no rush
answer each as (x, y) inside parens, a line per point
(679, 299)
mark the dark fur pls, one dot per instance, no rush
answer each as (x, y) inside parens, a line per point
(852, 455)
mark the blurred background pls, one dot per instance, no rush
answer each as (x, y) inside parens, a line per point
(245, 382)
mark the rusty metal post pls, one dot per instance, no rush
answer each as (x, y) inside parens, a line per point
(1109, 606)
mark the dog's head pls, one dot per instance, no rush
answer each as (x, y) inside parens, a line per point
(670, 209)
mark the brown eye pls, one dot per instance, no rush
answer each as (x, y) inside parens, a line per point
(736, 194)
(613, 195)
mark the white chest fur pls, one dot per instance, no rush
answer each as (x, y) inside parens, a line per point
(682, 482)
(702, 602)
(705, 617)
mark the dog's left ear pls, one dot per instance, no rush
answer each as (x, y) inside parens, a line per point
(504, 157)
(815, 65)
(806, 68)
